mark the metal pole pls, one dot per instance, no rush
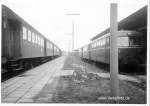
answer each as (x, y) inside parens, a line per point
(113, 51)
(72, 35)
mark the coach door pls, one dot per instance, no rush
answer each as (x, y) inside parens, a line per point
(45, 47)
(15, 31)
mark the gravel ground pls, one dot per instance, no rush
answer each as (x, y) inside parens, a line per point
(86, 86)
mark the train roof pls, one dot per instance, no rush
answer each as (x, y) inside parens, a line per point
(121, 33)
(136, 21)
(7, 12)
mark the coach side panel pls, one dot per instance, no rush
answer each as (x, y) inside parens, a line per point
(32, 45)
(49, 48)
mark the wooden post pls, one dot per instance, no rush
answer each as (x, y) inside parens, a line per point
(113, 51)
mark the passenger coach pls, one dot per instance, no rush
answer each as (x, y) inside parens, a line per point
(130, 48)
(22, 45)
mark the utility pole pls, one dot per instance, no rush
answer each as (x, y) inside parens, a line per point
(72, 35)
(114, 82)
(73, 14)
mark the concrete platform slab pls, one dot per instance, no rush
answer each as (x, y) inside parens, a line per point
(23, 88)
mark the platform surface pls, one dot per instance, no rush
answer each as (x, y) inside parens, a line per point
(68, 79)
(23, 88)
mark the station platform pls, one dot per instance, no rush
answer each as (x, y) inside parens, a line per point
(23, 88)
(68, 79)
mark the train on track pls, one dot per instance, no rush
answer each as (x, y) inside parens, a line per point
(130, 48)
(131, 41)
(22, 45)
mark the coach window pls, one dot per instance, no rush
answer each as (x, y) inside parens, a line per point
(37, 38)
(93, 45)
(24, 33)
(33, 37)
(123, 41)
(29, 35)
(99, 43)
(47, 45)
(107, 40)
(50, 46)
(104, 41)
(41, 42)
(54, 48)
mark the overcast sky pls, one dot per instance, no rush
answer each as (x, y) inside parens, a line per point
(49, 17)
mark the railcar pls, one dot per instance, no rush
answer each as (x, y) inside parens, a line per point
(130, 48)
(22, 45)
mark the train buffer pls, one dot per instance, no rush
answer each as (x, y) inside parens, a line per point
(24, 88)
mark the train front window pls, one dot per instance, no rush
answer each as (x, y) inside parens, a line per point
(135, 41)
(123, 41)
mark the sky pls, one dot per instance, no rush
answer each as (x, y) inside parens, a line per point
(50, 17)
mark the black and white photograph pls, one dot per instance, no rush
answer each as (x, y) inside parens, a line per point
(74, 52)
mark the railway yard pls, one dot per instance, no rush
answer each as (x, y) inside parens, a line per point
(110, 69)
(68, 79)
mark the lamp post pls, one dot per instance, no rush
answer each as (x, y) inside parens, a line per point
(73, 14)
